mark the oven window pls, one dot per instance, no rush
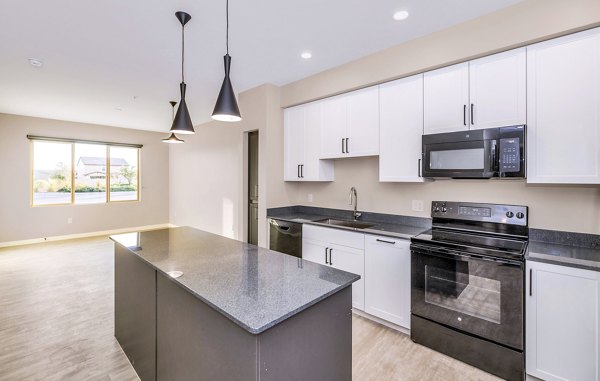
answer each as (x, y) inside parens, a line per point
(457, 159)
(462, 292)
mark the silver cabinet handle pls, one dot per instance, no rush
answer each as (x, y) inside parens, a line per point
(384, 241)
(347, 149)
(343, 150)
(326, 256)
(472, 122)
(330, 259)
(465, 115)
(419, 167)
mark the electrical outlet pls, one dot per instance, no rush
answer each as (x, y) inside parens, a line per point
(69, 220)
(417, 205)
(310, 197)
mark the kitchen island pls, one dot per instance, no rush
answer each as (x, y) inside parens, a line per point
(236, 312)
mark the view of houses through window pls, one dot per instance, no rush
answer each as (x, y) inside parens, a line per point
(79, 173)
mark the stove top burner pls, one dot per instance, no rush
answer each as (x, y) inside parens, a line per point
(474, 243)
(482, 229)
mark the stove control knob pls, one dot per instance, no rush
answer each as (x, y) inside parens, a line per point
(520, 215)
(510, 214)
(444, 209)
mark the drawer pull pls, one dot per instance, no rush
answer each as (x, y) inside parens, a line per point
(384, 241)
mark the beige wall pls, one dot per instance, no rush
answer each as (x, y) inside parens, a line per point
(209, 172)
(20, 221)
(518, 25)
(571, 208)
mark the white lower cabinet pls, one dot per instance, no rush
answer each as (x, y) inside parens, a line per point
(562, 322)
(387, 279)
(343, 250)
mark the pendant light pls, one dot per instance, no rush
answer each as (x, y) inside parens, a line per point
(172, 139)
(226, 108)
(182, 124)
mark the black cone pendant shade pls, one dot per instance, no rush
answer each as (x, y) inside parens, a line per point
(172, 139)
(182, 123)
(226, 108)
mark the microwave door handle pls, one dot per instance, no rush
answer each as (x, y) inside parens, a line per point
(493, 157)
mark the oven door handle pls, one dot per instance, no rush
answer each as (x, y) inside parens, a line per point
(445, 253)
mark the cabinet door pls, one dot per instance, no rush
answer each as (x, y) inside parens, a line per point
(314, 169)
(333, 127)
(387, 279)
(400, 130)
(563, 110)
(351, 260)
(446, 95)
(563, 315)
(314, 251)
(497, 90)
(293, 137)
(363, 122)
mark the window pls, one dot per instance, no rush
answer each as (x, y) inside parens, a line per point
(75, 172)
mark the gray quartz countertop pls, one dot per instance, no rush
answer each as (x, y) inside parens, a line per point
(564, 254)
(254, 287)
(390, 229)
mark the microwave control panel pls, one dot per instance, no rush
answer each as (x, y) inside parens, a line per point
(510, 155)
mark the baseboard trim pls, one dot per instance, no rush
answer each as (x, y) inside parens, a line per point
(88, 234)
(381, 321)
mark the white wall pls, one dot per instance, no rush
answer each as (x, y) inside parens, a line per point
(20, 221)
(208, 188)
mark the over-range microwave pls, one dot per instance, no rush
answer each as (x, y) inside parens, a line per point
(476, 154)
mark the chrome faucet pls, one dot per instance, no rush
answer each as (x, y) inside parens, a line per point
(355, 214)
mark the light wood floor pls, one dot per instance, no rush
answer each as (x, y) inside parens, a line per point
(56, 323)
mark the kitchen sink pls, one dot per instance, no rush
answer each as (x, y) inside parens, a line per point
(345, 223)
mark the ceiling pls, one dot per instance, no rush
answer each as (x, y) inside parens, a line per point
(117, 63)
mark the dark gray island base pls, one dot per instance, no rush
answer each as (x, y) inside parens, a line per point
(238, 312)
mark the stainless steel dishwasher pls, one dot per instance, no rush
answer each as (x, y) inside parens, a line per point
(285, 237)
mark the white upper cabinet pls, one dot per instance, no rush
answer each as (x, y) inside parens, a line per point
(333, 127)
(350, 124)
(484, 93)
(563, 115)
(446, 96)
(302, 131)
(497, 90)
(362, 131)
(293, 142)
(400, 129)
(563, 323)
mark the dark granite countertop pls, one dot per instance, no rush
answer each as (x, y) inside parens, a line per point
(564, 248)
(383, 224)
(254, 287)
(565, 255)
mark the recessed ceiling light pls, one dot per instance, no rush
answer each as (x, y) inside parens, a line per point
(35, 62)
(400, 15)
(306, 55)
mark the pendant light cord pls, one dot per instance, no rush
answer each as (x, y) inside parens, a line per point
(227, 17)
(182, 51)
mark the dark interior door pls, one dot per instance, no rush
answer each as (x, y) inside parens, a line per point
(253, 187)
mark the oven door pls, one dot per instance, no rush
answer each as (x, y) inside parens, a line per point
(477, 295)
(464, 159)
